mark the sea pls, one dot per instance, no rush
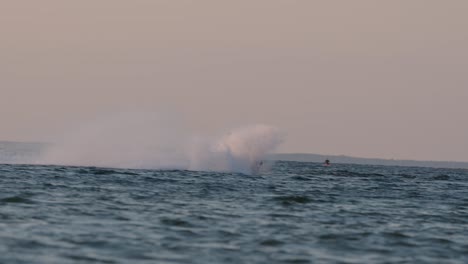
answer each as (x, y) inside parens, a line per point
(287, 212)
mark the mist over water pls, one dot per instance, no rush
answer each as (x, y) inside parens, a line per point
(238, 151)
(149, 141)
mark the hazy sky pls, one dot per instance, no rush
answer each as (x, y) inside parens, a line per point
(370, 78)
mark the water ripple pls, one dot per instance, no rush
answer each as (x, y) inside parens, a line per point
(294, 213)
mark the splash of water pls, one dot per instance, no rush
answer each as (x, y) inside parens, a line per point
(129, 140)
(151, 142)
(241, 150)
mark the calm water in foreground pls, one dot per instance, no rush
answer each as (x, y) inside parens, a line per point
(294, 213)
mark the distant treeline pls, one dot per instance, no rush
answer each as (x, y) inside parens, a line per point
(367, 161)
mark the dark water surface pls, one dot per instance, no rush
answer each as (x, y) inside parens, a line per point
(295, 213)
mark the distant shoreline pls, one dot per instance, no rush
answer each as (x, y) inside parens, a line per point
(306, 157)
(9, 149)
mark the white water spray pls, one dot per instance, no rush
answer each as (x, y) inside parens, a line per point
(147, 141)
(242, 150)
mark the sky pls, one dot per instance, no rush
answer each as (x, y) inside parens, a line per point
(386, 79)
